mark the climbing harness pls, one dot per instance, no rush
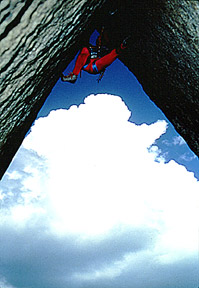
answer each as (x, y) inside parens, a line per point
(94, 52)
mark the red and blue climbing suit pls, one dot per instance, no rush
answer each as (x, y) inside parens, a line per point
(91, 61)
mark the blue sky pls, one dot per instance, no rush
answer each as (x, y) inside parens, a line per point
(96, 195)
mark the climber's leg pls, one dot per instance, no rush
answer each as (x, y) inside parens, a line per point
(80, 62)
(108, 59)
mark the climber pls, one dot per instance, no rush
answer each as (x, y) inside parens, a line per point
(91, 60)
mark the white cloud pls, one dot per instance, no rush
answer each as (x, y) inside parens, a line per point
(178, 140)
(187, 157)
(83, 172)
(5, 284)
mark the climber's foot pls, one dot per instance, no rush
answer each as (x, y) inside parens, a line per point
(69, 78)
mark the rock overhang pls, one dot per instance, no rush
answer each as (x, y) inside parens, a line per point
(39, 39)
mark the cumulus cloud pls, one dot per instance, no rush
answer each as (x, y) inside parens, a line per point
(89, 201)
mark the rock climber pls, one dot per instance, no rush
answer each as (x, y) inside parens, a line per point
(92, 60)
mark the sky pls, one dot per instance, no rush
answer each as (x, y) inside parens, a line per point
(102, 193)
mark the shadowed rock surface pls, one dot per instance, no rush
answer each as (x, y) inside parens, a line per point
(40, 38)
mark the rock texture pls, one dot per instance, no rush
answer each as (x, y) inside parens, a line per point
(165, 59)
(39, 39)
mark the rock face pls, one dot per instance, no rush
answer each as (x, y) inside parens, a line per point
(165, 59)
(39, 38)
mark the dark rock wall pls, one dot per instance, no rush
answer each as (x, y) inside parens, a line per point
(164, 56)
(39, 39)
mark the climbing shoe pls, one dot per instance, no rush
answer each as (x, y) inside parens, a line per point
(69, 78)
